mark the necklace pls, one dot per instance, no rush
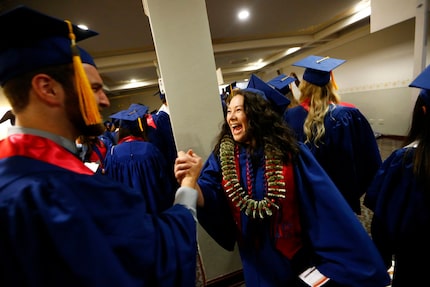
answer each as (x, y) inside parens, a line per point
(273, 176)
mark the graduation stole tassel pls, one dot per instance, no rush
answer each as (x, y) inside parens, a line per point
(87, 102)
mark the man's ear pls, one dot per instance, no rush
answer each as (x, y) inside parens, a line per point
(47, 89)
(424, 109)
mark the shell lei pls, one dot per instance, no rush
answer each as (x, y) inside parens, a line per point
(275, 184)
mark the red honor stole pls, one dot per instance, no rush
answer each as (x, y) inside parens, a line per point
(42, 149)
(285, 222)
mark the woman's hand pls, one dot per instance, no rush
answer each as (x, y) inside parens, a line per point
(187, 168)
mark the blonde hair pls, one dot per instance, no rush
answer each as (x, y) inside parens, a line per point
(320, 99)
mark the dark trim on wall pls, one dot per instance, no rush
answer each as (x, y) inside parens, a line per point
(233, 279)
(393, 137)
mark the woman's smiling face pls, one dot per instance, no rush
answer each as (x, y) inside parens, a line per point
(236, 118)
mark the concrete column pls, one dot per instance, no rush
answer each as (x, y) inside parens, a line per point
(186, 62)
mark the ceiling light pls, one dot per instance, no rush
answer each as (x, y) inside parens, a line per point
(243, 15)
(83, 27)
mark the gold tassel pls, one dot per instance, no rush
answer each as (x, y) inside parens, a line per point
(87, 102)
(139, 120)
(333, 82)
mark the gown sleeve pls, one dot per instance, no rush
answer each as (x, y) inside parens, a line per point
(68, 229)
(216, 217)
(351, 156)
(400, 210)
(343, 249)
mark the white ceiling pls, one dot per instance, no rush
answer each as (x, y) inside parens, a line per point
(124, 48)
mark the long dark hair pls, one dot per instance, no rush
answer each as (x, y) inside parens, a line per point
(420, 131)
(265, 127)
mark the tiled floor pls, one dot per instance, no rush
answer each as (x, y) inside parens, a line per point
(387, 144)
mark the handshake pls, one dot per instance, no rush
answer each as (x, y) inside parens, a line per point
(187, 170)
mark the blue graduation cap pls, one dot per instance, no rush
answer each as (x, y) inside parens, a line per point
(131, 117)
(318, 69)
(422, 81)
(282, 83)
(279, 101)
(32, 40)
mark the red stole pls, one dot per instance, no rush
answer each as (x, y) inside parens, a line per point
(42, 149)
(285, 223)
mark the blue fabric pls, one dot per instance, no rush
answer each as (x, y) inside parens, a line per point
(163, 137)
(143, 167)
(108, 139)
(61, 228)
(348, 152)
(401, 218)
(339, 245)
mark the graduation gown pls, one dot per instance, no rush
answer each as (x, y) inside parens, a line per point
(333, 238)
(401, 219)
(62, 225)
(160, 133)
(142, 166)
(348, 151)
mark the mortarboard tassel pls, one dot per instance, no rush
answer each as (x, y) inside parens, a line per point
(87, 102)
(139, 120)
(333, 81)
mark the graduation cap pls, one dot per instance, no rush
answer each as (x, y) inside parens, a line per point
(282, 83)
(131, 117)
(422, 81)
(32, 40)
(279, 101)
(319, 69)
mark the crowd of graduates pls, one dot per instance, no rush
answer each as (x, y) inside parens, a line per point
(116, 204)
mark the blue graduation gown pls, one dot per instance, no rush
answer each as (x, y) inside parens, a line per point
(142, 166)
(401, 219)
(162, 136)
(348, 152)
(341, 247)
(62, 225)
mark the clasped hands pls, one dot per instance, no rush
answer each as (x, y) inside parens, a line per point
(187, 168)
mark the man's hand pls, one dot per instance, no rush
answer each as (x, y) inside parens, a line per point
(187, 168)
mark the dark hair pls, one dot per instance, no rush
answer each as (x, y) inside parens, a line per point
(16, 89)
(420, 131)
(265, 127)
(134, 131)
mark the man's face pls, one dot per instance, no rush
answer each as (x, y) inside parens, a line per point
(72, 104)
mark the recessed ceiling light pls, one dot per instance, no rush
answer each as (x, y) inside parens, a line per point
(83, 27)
(243, 14)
